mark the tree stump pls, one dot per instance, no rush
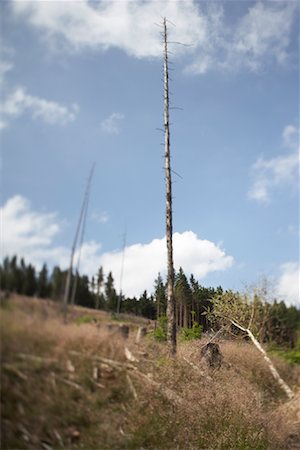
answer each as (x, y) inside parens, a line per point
(212, 355)
(142, 331)
(124, 331)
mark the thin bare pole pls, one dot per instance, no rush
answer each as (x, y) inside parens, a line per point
(122, 271)
(69, 275)
(80, 246)
(171, 329)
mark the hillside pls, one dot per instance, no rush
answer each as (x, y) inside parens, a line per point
(82, 385)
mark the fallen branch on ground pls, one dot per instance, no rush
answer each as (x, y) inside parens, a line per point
(272, 368)
(37, 358)
(131, 387)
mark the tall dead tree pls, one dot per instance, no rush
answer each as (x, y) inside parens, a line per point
(79, 224)
(171, 329)
(74, 288)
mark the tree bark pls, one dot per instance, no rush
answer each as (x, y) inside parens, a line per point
(171, 328)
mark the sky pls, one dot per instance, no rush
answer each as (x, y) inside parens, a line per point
(81, 82)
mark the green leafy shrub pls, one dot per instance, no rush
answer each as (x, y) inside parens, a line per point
(188, 334)
(160, 332)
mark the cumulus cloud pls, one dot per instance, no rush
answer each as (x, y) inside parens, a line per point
(260, 36)
(24, 231)
(142, 262)
(277, 172)
(19, 102)
(110, 125)
(288, 286)
(31, 234)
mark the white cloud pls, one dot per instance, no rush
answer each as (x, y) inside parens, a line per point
(288, 286)
(110, 125)
(6, 64)
(31, 234)
(24, 231)
(290, 137)
(19, 102)
(142, 262)
(259, 37)
(102, 217)
(277, 172)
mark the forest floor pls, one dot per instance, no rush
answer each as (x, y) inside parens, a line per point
(81, 385)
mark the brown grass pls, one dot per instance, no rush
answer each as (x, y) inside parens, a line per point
(49, 397)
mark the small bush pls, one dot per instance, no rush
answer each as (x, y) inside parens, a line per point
(188, 334)
(291, 356)
(84, 319)
(160, 332)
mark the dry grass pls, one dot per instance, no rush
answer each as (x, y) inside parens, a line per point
(50, 399)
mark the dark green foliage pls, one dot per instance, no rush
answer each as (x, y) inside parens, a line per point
(160, 332)
(57, 283)
(160, 296)
(111, 297)
(30, 283)
(273, 323)
(188, 334)
(99, 298)
(43, 285)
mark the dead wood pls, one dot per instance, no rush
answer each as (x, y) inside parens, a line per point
(271, 366)
(12, 369)
(37, 358)
(212, 355)
(130, 356)
(131, 387)
(70, 383)
(165, 391)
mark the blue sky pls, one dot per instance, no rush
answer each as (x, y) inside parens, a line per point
(82, 82)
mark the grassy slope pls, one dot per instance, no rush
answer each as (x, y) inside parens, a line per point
(50, 400)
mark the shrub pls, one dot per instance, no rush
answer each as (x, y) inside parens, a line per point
(187, 334)
(160, 332)
(84, 319)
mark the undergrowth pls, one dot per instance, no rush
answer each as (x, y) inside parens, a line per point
(61, 390)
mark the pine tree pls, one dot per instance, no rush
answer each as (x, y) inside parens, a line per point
(183, 294)
(30, 281)
(99, 283)
(43, 289)
(160, 296)
(57, 283)
(111, 297)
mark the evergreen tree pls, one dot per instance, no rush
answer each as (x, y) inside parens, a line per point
(30, 286)
(160, 296)
(43, 288)
(183, 295)
(99, 283)
(57, 283)
(84, 296)
(147, 306)
(111, 297)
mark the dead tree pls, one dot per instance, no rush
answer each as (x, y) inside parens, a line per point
(171, 329)
(81, 243)
(81, 216)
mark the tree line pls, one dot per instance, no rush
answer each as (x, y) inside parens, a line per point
(278, 323)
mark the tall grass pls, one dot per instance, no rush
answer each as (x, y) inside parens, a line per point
(50, 398)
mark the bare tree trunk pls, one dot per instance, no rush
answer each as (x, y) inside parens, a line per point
(171, 329)
(69, 275)
(185, 315)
